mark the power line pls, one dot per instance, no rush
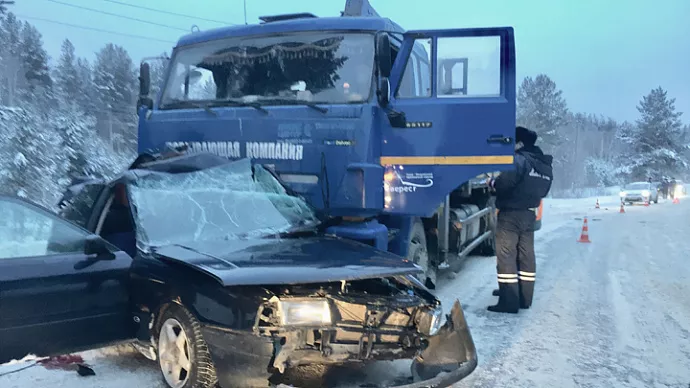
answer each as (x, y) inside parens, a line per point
(119, 16)
(95, 29)
(168, 12)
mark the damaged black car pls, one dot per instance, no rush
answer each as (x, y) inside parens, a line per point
(220, 274)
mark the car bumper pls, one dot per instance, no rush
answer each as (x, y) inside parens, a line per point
(243, 359)
(638, 198)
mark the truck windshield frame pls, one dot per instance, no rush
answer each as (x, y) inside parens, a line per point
(319, 67)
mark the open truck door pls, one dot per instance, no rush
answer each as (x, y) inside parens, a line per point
(450, 114)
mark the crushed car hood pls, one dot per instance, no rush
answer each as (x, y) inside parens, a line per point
(287, 261)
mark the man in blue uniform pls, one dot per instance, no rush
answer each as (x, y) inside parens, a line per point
(518, 194)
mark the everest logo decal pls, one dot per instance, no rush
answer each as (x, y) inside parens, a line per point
(409, 183)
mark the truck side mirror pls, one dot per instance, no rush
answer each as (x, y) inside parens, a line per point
(144, 87)
(384, 60)
(144, 79)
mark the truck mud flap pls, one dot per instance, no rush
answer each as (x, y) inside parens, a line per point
(450, 356)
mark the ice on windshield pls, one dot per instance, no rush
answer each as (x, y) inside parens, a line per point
(225, 202)
(314, 67)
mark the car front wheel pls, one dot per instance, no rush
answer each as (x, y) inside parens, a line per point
(183, 355)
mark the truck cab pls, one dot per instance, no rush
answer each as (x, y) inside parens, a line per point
(387, 130)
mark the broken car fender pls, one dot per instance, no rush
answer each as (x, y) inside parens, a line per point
(450, 356)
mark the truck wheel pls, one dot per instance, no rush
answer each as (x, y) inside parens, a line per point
(418, 253)
(183, 355)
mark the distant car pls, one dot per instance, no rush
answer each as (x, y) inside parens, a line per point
(220, 273)
(639, 192)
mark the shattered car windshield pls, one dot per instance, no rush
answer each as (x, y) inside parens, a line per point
(231, 201)
(315, 67)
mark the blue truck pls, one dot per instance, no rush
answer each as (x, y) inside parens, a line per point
(391, 134)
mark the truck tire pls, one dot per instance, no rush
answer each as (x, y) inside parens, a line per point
(418, 253)
(191, 349)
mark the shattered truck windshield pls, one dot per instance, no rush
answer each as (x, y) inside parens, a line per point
(315, 67)
(231, 201)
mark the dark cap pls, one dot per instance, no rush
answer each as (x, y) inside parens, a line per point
(525, 136)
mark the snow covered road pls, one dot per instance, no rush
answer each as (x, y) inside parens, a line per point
(613, 313)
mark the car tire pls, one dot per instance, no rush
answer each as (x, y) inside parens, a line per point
(175, 325)
(418, 253)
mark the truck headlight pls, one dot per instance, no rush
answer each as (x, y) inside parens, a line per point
(304, 312)
(429, 321)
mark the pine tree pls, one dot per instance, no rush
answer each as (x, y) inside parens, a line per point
(34, 58)
(33, 167)
(541, 107)
(115, 82)
(66, 74)
(657, 142)
(11, 78)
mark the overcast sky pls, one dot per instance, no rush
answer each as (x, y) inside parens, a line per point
(604, 54)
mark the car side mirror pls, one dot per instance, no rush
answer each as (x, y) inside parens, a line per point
(96, 245)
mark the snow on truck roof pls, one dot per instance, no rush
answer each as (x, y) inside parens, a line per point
(366, 23)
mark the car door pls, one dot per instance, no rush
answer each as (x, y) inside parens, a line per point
(54, 297)
(457, 91)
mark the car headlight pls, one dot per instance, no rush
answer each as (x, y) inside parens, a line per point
(645, 193)
(304, 312)
(622, 194)
(679, 190)
(429, 320)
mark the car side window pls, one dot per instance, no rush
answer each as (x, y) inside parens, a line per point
(28, 231)
(77, 206)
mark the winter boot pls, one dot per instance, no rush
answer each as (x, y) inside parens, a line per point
(508, 299)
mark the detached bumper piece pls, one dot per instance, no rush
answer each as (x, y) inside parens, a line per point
(449, 357)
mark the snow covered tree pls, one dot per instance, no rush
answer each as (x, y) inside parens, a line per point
(34, 58)
(11, 78)
(657, 143)
(541, 107)
(66, 74)
(31, 166)
(115, 82)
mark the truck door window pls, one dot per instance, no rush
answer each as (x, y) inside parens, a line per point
(416, 81)
(481, 55)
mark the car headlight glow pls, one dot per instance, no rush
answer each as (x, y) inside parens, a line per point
(304, 312)
(622, 194)
(679, 190)
(429, 321)
(645, 193)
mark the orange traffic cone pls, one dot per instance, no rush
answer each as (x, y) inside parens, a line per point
(596, 206)
(646, 202)
(584, 236)
(676, 200)
(622, 208)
